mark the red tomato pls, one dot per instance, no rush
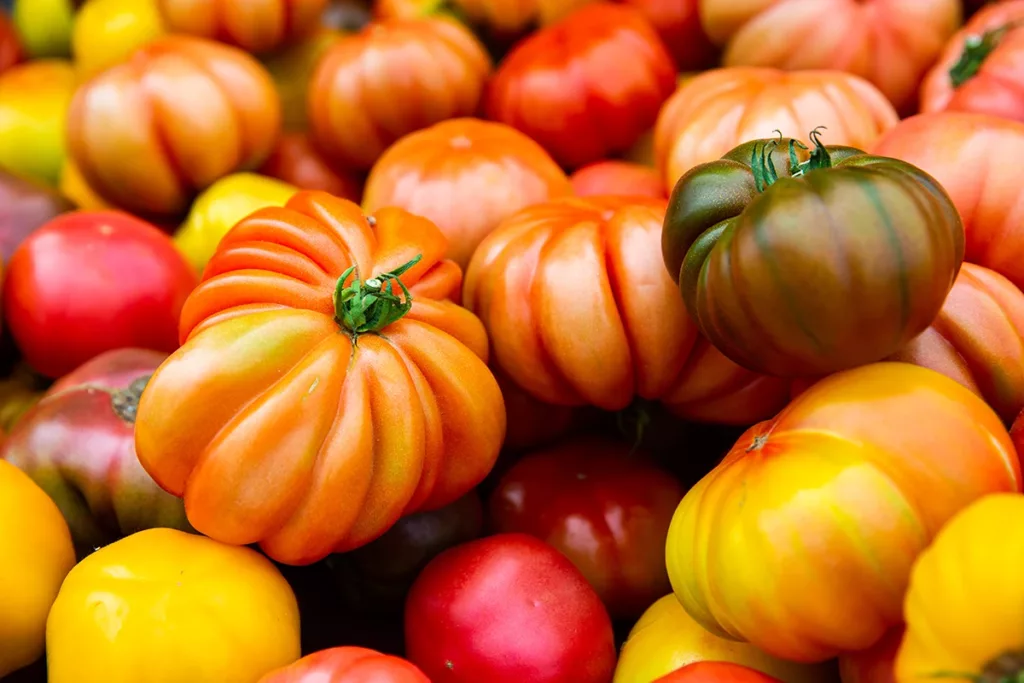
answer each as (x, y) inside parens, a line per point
(618, 178)
(716, 672)
(604, 508)
(507, 609)
(89, 282)
(347, 665)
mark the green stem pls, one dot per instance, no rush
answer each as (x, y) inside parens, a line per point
(976, 51)
(371, 305)
(820, 157)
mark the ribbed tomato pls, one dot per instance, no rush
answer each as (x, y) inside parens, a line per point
(622, 178)
(347, 665)
(296, 161)
(326, 385)
(252, 26)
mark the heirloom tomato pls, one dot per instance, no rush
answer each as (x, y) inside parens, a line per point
(348, 665)
(678, 24)
(835, 498)
(599, 75)
(326, 386)
(107, 32)
(667, 638)
(715, 111)
(530, 422)
(219, 613)
(600, 505)
(292, 69)
(252, 26)
(622, 178)
(877, 664)
(506, 609)
(186, 111)
(716, 672)
(44, 26)
(466, 175)
(25, 206)
(296, 161)
(975, 158)
(34, 99)
(576, 284)
(980, 70)
(796, 265)
(11, 51)
(978, 339)
(889, 42)
(964, 599)
(404, 74)
(38, 553)
(89, 282)
(78, 445)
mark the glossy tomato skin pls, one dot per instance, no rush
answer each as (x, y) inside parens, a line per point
(603, 507)
(910, 445)
(24, 207)
(254, 27)
(600, 75)
(89, 282)
(749, 259)
(716, 672)
(541, 622)
(296, 161)
(618, 178)
(78, 445)
(347, 665)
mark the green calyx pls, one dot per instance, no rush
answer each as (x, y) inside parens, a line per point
(976, 51)
(763, 165)
(1006, 668)
(371, 305)
(125, 402)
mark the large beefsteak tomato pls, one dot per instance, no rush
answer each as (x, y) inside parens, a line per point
(801, 265)
(832, 501)
(347, 665)
(252, 26)
(326, 384)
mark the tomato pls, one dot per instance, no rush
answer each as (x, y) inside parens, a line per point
(911, 447)
(107, 32)
(292, 363)
(604, 508)
(465, 175)
(678, 24)
(25, 206)
(891, 44)
(576, 284)
(218, 113)
(716, 672)
(254, 27)
(618, 178)
(666, 638)
(531, 423)
(599, 76)
(37, 551)
(874, 665)
(964, 598)
(21, 390)
(11, 51)
(978, 339)
(292, 68)
(296, 161)
(783, 300)
(540, 621)
(347, 665)
(34, 101)
(89, 282)
(756, 101)
(406, 75)
(45, 26)
(973, 156)
(78, 445)
(223, 613)
(73, 186)
(978, 70)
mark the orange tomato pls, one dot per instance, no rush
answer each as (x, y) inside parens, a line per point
(877, 664)
(185, 111)
(714, 112)
(802, 540)
(393, 78)
(253, 25)
(347, 665)
(466, 175)
(618, 178)
(297, 162)
(306, 410)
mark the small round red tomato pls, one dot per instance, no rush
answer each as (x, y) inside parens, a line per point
(347, 665)
(507, 609)
(89, 282)
(716, 672)
(604, 508)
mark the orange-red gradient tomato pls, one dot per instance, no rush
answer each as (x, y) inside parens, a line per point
(586, 87)
(185, 111)
(802, 540)
(294, 416)
(618, 178)
(391, 79)
(348, 665)
(297, 162)
(466, 175)
(253, 25)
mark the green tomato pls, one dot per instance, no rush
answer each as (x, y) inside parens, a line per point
(45, 26)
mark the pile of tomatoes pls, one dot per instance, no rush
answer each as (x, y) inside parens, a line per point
(511, 341)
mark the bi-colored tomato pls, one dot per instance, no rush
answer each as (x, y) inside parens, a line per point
(716, 672)
(347, 665)
(89, 282)
(252, 26)
(833, 500)
(223, 613)
(297, 162)
(107, 32)
(314, 400)
(540, 622)
(618, 178)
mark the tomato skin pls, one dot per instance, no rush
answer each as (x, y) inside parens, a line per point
(297, 162)
(67, 301)
(716, 672)
(107, 32)
(678, 24)
(877, 664)
(11, 51)
(603, 507)
(347, 665)
(24, 207)
(618, 178)
(254, 27)
(912, 446)
(542, 622)
(601, 107)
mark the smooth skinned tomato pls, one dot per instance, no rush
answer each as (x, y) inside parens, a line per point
(618, 178)
(89, 282)
(716, 672)
(348, 665)
(507, 609)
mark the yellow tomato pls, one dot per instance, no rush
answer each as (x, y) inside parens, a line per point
(44, 26)
(965, 606)
(34, 100)
(666, 638)
(220, 206)
(37, 553)
(75, 187)
(106, 32)
(292, 69)
(168, 607)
